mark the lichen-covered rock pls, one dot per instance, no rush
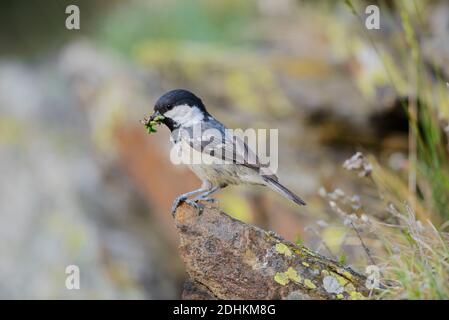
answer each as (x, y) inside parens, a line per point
(229, 259)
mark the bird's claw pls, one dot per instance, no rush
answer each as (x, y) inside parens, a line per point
(198, 206)
(211, 200)
(176, 204)
(194, 203)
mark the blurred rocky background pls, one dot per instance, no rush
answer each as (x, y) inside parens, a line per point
(81, 181)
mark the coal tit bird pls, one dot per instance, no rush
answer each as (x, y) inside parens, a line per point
(229, 159)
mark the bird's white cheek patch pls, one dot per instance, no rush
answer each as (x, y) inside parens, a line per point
(185, 115)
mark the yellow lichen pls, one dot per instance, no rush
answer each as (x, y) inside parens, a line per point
(345, 273)
(349, 288)
(303, 251)
(283, 249)
(281, 278)
(293, 275)
(340, 296)
(309, 284)
(284, 278)
(305, 264)
(309, 252)
(354, 295)
(342, 281)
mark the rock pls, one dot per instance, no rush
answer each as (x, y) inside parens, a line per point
(228, 259)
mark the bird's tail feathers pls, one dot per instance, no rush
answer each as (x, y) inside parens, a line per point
(276, 186)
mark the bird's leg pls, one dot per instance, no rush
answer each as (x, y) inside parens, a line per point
(183, 198)
(205, 195)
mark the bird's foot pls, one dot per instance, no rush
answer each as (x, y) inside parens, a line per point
(176, 204)
(210, 200)
(205, 199)
(198, 206)
(194, 203)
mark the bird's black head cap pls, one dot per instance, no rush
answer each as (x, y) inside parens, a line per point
(177, 97)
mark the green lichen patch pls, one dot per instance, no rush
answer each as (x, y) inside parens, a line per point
(349, 288)
(342, 281)
(293, 275)
(353, 293)
(356, 296)
(283, 249)
(281, 278)
(284, 278)
(309, 284)
(303, 251)
(305, 264)
(345, 273)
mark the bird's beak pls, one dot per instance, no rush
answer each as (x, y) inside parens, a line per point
(155, 115)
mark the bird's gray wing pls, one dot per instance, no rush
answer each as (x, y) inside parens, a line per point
(213, 139)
